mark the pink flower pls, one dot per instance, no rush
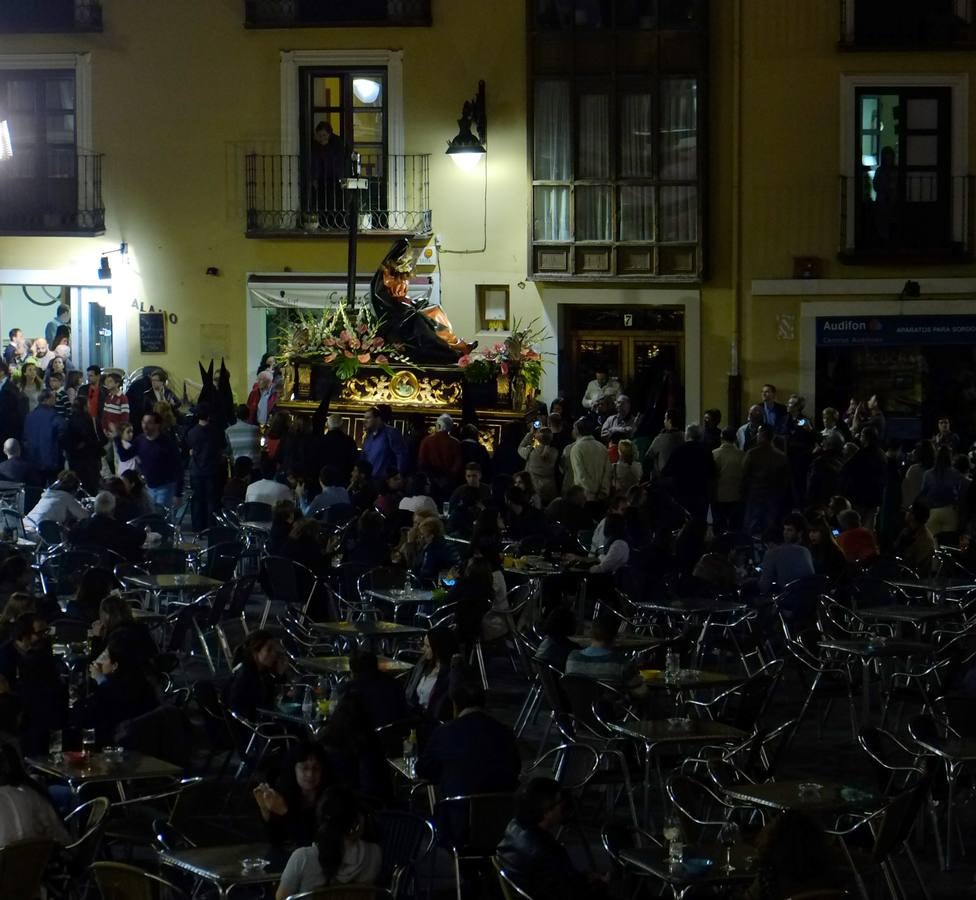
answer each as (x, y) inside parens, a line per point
(503, 367)
(349, 354)
(464, 361)
(363, 357)
(345, 336)
(378, 342)
(381, 360)
(330, 357)
(499, 348)
(330, 342)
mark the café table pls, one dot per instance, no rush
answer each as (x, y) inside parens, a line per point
(867, 651)
(178, 583)
(908, 614)
(221, 866)
(956, 755)
(689, 680)
(684, 879)
(812, 795)
(627, 643)
(402, 597)
(369, 632)
(674, 732)
(78, 771)
(938, 588)
(339, 665)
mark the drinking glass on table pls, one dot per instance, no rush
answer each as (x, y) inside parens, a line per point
(54, 746)
(88, 742)
(729, 835)
(675, 837)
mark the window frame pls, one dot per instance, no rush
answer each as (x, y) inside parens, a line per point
(958, 85)
(849, 28)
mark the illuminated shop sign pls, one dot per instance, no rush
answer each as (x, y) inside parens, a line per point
(894, 331)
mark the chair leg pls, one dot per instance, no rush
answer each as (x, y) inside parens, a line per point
(480, 657)
(918, 875)
(457, 875)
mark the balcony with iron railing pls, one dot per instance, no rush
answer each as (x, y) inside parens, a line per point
(36, 16)
(283, 201)
(916, 227)
(905, 25)
(66, 203)
(335, 13)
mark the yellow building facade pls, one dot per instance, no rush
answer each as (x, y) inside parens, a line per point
(177, 96)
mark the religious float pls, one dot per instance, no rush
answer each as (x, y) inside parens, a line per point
(402, 353)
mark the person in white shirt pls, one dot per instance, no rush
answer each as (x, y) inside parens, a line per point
(268, 490)
(616, 551)
(418, 495)
(589, 463)
(243, 438)
(26, 814)
(618, 506)
(601, 386)
(57, 504)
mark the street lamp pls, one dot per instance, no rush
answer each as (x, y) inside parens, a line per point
(466, 149)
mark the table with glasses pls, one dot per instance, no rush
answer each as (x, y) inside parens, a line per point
(812, 795)
(689, 680)
(409, 774)
(626, 643)
(369, 633)
(402, 598)
(870, 649)
(78, 770)
(339, 665)
(703, 869)
(224, 868)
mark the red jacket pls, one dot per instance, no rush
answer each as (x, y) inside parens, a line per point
(440, 455)
(252, 403)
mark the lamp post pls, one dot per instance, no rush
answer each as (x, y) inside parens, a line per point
(352, 186)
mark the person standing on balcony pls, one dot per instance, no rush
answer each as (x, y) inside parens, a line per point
(61, 318)
(327, 167)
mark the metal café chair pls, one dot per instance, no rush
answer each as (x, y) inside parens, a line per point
(119, 881)
(510, 890)
(69, 878)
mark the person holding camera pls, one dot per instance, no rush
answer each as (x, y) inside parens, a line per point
(540, 460)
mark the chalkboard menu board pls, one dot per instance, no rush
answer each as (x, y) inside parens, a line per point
(152, 332)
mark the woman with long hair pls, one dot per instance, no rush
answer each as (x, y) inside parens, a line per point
(93, 587)
(122, 690)
(31, 383)
(254, 683)
(339, 854)
(290, 808)
(354, 750)
(828, 558)
(428, 682)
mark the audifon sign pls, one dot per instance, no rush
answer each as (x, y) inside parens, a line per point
(894, 331)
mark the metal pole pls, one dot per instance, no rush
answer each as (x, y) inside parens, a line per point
(352, 186)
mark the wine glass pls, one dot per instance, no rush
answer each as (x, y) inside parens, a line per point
(729, 835)
(88, 742)
(675, 838)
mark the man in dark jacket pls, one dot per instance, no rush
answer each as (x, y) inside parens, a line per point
(334, 449)
(382, 695)
(15, 468)
(690, 474)
(532, 856)
(206, 445)
(101, 529)
(864, 477)
(11, 406)
(765, 483)
(474, 753)
(43, 430)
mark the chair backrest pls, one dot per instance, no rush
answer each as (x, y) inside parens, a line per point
(699, 806)
(961, 714)
(220, 560)
(756, 695)
(798, 599)
(574, 765)
(86, 823)
(22, 868)
(289, 581)
(118, 881)
(61, 572)
(254, 511)
(899, 819)
(167, 838)
(889, 757)
(473, 825)
(510, 890)
(51, 532)
(404, 838)
(582, 693)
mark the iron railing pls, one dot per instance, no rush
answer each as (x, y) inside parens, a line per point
(900, 229)
(880, 25)
(283, 199)
(50, 15)
(71, 204)
(335, 13)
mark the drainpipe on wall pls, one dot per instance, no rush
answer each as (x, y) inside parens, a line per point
(735, 377)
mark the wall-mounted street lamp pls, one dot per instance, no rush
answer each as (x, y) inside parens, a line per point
(104, 269)
(468, 148)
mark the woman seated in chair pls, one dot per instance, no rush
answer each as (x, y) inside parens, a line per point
(284, 516)
(354, 751)
(26, 814)
(254, 683)
(93, 587)
(115, 622)
(430, 678)
(122, 691)
(558, 627)
(290, 808)
(339, 854)
(306, 545)
(371, 543)
(437, 554)
(473, 593)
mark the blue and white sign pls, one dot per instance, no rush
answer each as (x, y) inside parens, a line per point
(894, 331)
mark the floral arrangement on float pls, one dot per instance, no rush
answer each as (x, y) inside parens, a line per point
(344, 340)
(514, 363)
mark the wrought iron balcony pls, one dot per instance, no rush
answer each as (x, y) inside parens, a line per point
(931, 220)
(50, 15)
(66, 203)
(283, 200)
(335, 13)
(907, 25)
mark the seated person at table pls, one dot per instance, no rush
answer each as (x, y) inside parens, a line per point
(26, 814)
(601, 661)
(828, 558)
(856, 543)
(354, 750)
(290, 808)
(236, 487)
(371, 542)
(558, 628)
(101, 529)
(617, 506)
(57, 504)
(522, 519)
(306, 545)
(428, 683)
(794, 858)
(268, 489)
(93, 587)
(915, 545)
(789, 561)
(254, 682)
(115, 622)
(465, 512)
(17, 604)
(333, 493)
(284, 514)
(339, 854)
(382, 695)
(122, 691)
(615, 552)
(473, 592)
(26, 635)
(362, 492)
(437, 553)
(473, 753)
(531, 854)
